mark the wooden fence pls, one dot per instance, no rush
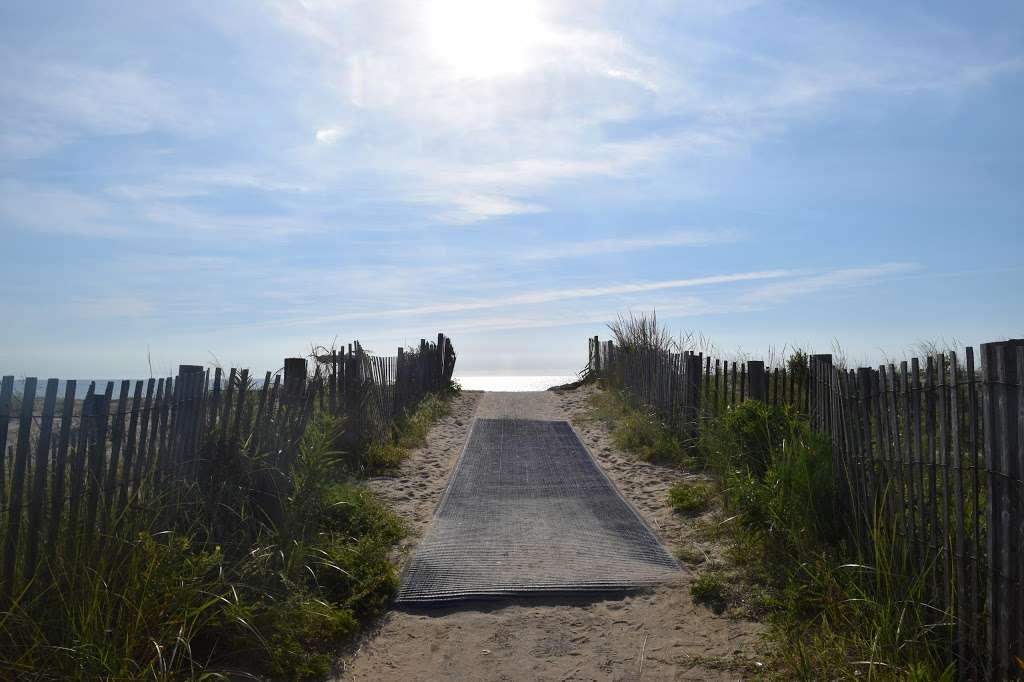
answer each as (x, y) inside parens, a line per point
(72, 469)
(930, 450)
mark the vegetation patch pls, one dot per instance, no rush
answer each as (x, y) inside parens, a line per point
(835, 614)
(410, 432)
(690, 498)
(635, 431)
(266, 576)
(710, 589)
(693, 556)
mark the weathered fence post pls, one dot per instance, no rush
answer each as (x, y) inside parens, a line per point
(758, 380)
(820, 366)
(597, 356)
(400, 379)
(294, 378)
(439, 370)
(190, 416)
(1003, 390)
(691, 397)
(18, 474)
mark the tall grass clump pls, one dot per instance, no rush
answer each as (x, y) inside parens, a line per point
(641, 332)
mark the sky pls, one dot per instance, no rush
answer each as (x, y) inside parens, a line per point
(235, 181)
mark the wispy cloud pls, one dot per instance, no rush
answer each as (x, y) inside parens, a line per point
(331, 134)
(544, 297)
(109, 307)
(48, 104)
(781, 291)
(601, 247)
(736, 302)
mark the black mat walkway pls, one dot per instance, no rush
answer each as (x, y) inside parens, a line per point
(528, 511)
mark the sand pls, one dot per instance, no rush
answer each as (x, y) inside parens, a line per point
(655, 634)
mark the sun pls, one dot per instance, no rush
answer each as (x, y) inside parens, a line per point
(484, 38)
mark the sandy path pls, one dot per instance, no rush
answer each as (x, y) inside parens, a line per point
(563, 638)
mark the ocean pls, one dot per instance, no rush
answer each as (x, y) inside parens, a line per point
(514, 383)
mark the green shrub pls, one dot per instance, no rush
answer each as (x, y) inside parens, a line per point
(836, 618)
(753, 431)
(798, 365)
(689, 498)
(779, 478)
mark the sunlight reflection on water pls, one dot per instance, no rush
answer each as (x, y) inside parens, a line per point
(513, 383)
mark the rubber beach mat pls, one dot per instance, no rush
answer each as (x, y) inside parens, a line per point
(528, 511)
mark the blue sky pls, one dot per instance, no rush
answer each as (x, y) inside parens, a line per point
(238, 180)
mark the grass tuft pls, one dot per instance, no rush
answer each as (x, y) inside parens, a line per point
(410, 432)
(635, 431)
(710, 589)
(689, 498)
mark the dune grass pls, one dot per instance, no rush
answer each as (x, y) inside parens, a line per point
(690, 498)
(837, 613)
(635, 431)
(186, 589)
(409, 433)
(834, 613)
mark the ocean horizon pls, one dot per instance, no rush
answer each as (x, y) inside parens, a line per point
(498, 382)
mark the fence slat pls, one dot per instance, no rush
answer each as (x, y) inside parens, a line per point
(960, 603)
(905, 428)
(934, 539)
(943, 457)
(147, 434)
(128, 468)
(6, 395)
(116, 435)
(28, 399)
(977, 588)
(60, 466)
(37, 499)
(914, 434)
(97, 457)
(892, 411)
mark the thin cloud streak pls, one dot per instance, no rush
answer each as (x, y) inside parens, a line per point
(602, 247)
(774, 294)
(542, 297)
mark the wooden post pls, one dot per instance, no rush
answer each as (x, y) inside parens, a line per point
(1003, 371)
(294, 378)
(691, 397)
(28, 399)
(818, 366)
(758, 380)
(190, 415)
(439, 374)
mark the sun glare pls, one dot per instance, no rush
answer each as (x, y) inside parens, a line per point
(484, 38)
